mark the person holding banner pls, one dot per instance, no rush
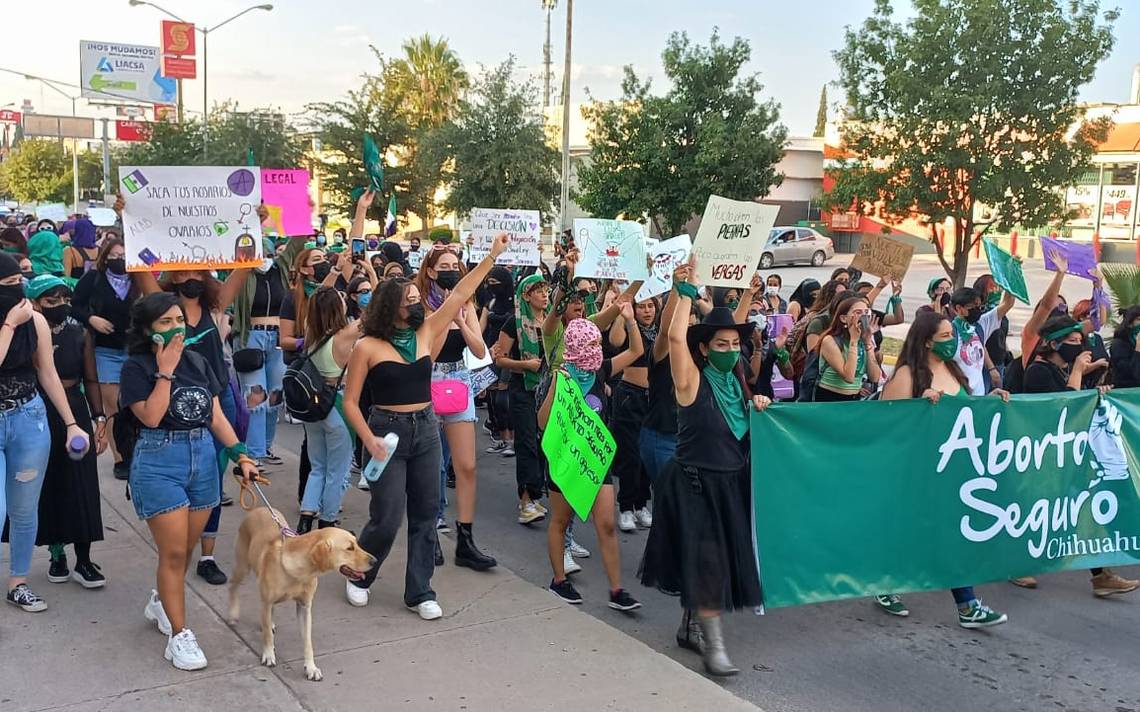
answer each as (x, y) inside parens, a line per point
(393, 361)
(927, 368)
(700, 545)
(583, 362)
(974, 321)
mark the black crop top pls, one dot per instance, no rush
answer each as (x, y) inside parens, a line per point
(453, 346)
(399, 383)
(268, 293)
(18, 371)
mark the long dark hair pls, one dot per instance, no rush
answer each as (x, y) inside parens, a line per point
(837, 327)
(802, 293)
(326, 315)
(15, 237)
(826, 293)
(1056, 323)
(701, 361)
(109, 243)
(144, 312)
(379, 320)
(1129, 315)
(915, 352)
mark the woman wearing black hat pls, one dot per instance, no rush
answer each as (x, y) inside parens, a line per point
(700, 545)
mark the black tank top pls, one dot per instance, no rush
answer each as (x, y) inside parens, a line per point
(452, 350)
(704, 440)
(268, 293)
(399, 383)
(662, 415)
(88, 260)
(69, 351)
(18, 372)
(210, 347)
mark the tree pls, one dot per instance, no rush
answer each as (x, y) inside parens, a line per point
(39, 170)
(821, 114)
(496, 151)
(662, 156)
(969, 103)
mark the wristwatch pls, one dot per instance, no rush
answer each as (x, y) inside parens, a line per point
(166, 376)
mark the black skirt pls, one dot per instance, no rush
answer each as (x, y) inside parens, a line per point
(69, 503)
(700, 545)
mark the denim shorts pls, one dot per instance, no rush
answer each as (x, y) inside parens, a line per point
(456, 372)
(173, 469)
(109, 363)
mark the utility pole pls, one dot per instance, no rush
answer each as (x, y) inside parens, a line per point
(564, 203)
(549, 6)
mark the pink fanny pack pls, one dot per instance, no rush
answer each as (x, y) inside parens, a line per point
(449, 397)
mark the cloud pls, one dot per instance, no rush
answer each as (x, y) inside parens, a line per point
(341, 29)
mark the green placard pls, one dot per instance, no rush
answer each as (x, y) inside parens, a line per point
(923, 497)
(373, 165)
(1007, 271)
(578, 447)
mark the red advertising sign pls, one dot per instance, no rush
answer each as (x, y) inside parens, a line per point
(7, 116)
(178, 38)
(132, 131)
(163, 112)
(179, 67)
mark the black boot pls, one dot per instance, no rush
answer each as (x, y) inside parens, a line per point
(689, 634)
(305, 524)
(438, 552)
(467, 554)
(322, 524)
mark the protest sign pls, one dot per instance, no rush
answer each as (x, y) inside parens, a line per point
(978, 491)
(731, 240)
(1007, 271)
(611, 249)
(285, 192)
(522, 227)
(1081, 256)
(101, 217)
(578, 446)
(373, 165)
(191, 217)
(56, 212)
(666, 256)
(881, 256)
(415, 259)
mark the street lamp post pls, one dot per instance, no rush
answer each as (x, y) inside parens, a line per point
(564, 201)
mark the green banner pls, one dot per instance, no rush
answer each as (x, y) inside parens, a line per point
(1007, 272)
(857, 499)
(578, 447)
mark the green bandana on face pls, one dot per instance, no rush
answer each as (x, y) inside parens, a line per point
(724, 361)
(993, 299)
(945, 350)
(1135, 331)
(165, 337)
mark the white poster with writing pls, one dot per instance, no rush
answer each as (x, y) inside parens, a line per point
(731, 240)
(523, 227)
(191, 217)
(611, 249)
(666, 255)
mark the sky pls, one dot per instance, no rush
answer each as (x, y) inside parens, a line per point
(314, 50)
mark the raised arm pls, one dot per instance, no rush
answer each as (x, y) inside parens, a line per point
(1048, 299)
(740, 314)
(234, 283)
(605, 318)
(362, 205)
(686, 378)
(661, 344)
(632, 337)
(440, 319)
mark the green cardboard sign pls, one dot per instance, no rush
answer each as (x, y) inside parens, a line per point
(1007, 271)
(373, 165)
(578, 447)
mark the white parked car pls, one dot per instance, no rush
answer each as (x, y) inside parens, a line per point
(789, 245)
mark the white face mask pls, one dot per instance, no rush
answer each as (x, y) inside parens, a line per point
(773, 291)
(265, 265)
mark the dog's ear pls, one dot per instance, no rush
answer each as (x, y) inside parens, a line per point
(322, 555)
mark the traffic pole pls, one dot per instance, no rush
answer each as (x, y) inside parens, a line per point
(1013, 242)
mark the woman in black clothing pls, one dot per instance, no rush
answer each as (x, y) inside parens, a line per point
(802, 298)
(102, 302)
(1125, 350)
(701, 542)
(499, 310)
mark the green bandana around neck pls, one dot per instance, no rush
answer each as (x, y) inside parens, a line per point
(729, 399)
(404, 340)
(311, 288)
(528, 328)
(584, 379)
(1133, 333)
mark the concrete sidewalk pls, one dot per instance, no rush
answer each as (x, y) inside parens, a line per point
(503, 644)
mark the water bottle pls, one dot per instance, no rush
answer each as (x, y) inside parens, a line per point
(77, 447)
(376, 467)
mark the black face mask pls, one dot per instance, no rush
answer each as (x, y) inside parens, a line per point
(191, 288)
(10, 296)
(117, 265)
(320, 271)
(29, 275)
(447, 279)
(58, 314)
(1070, 352)
(974, 314)
(944, 300)
(415, 315)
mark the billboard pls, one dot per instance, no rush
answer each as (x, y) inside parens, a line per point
(178, 38)
(121, 71)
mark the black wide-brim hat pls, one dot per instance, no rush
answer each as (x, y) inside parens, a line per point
(717, 319)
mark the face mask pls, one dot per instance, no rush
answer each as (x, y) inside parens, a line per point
(1069, 352)
(29, 275)
(265, 266)
(974, 314)
(11, 249)
(322, 241)
(772, 290)
(732, 304)
(414, 248)
(760, 320)
(993, 299)
(447, 279)
(415, 315)
(320, 271)
(1134, 333)
(945, 350)
(724, 361)
(57, 314)
(584, 379)
(10, 296)
(944, 300)
(364, 299)
(165, 337)
(191, 288)
(117, 265)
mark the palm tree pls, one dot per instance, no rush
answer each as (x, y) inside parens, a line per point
(1123, 281)
(549, 6)
(431, 78)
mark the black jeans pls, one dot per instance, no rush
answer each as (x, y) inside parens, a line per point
(498, 410)
(411, 476)
(630, 406)
(528, 462)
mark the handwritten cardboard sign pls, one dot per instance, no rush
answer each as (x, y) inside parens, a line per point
(285, 192)
(578, 447)
(1081, 256)
(611, 249)
(731, 240)
(523, 227)
(666, 256)
(881, 256)
(191, 217)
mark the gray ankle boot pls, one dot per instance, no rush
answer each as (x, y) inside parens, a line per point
(689, 633)
(714, 654)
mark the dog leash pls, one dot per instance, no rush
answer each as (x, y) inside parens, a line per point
(254, 485)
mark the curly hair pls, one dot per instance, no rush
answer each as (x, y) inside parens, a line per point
(379, 319)
(145, 312)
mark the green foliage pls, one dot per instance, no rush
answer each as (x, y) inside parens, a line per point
(662, 156)
(440, 233)
(970, 102)
(821, 114)
(430, 79)
(496, 152)
(1123, 281)
(39, 170)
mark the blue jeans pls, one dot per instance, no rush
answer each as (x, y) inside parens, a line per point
(229, 408)
(173, 469)
(656, 450)
(330, 452)
(265, 380)
(25, 444)
(963, 596)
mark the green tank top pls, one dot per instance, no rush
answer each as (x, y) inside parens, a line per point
(325, 362)
(834, 382)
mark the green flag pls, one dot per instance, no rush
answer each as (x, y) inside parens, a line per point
(373, 165)
(578, 446)
(249, 157)
(1007, 271)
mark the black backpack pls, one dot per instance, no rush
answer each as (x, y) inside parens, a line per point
(308, 397)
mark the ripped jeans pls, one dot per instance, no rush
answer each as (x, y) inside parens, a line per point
(25, 444)
(265, 380)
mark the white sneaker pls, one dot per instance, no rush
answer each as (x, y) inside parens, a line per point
(626, 522)
(183, 652)
(362, 484)
(644, 518)
(578, 550)
(569, 564)
(357, 596)
(155, 613)
(428, 610)
(540, 507)
(528, 513)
